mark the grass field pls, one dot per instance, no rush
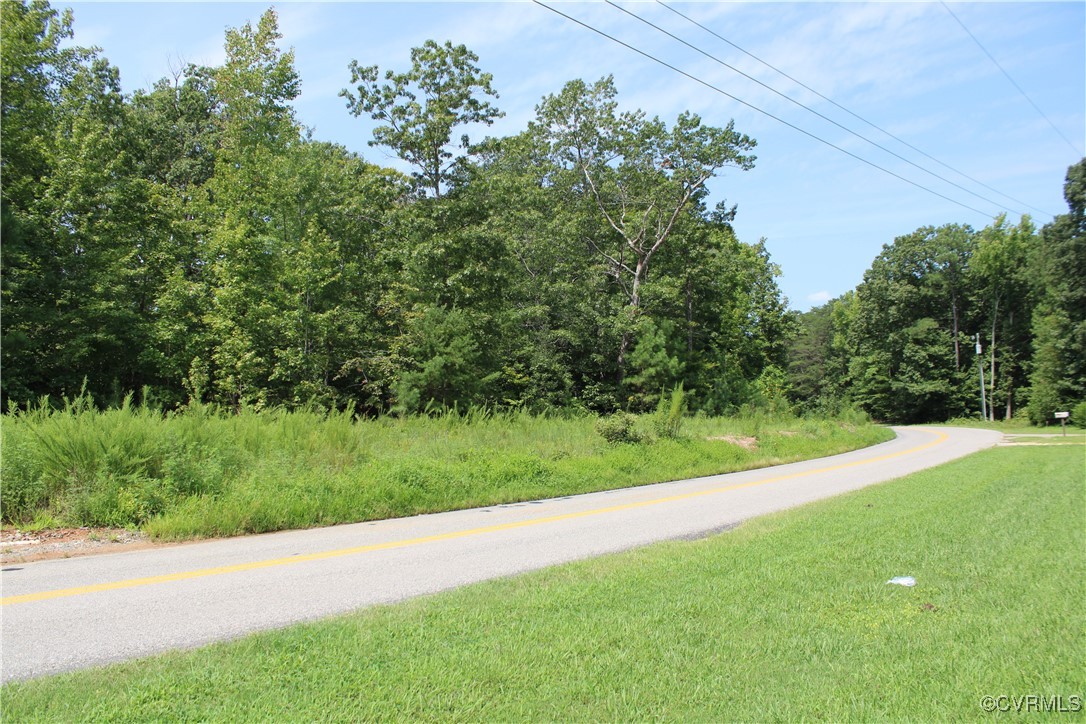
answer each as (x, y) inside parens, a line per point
(208, 473)
(786, 617)
(1021, 427)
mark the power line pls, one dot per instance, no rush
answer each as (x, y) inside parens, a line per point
(759, 110)
(811, 110)
(1008, 76)
(851, 113)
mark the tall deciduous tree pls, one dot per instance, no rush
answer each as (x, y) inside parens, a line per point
(77, 226)
(999, 279)
(418, 110)
(35, 68)
(102, 215)
(330, 220)
(1058, 379)
(192, 237)
(255, 87)
(548, 322)
(907, 363)
(641, 176)
(176, 134)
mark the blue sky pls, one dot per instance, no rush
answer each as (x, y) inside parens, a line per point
(909, 68)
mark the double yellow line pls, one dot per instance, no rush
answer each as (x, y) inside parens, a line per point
(338, 553)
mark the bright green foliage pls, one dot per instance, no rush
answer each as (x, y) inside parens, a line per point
(1059, 322)
(419, 109)
(924, 383)
(115, 468)
(442, 359)
(641, 177)
(1078, 414)
(194, 239)
(35, 69)
(820, 359)
(270, 293)
(618, 428)
(249, 245)
(902, 346)
(1050, 329)
(668, 419)
(811, 359)
(999, 271)
(63, 253)
(175, 132)
(652, 367)
(904, 334)
(771, 390)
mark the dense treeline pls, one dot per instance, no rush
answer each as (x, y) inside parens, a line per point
(195, 241)
(903, 345)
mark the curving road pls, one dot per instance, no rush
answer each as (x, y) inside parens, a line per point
(60, 615)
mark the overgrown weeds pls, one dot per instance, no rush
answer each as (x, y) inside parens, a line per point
(205, 471)
(668, 420)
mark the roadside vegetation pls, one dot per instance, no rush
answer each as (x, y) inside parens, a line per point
(787, 617)
(194, 238)
(204, 471)
(321, 340)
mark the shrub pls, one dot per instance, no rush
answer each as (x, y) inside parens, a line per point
(1078, 414)
(618, 428)
(1043, 402)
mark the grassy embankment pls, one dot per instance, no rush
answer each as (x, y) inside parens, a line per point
(202, 473)
(787, 617)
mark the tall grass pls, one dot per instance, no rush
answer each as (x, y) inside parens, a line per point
(204, 471)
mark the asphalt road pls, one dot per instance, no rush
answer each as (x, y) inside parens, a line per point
(66, 614)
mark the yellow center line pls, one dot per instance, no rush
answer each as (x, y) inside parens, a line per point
(390, 545)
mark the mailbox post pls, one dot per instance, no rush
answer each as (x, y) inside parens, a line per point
(1062, 417)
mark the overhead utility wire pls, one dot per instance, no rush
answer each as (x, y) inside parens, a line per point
(759, 110)
(851, 113)
(811, 110)
(1008, 76)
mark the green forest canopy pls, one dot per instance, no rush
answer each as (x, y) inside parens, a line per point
(195, 241)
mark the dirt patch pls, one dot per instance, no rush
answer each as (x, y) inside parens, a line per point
(18, 546)
(747, 443)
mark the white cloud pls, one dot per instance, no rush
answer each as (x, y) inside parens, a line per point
(819, 297)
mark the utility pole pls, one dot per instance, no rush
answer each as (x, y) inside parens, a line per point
(980, 366)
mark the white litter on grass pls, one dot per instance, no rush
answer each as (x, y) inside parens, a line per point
(902, 581)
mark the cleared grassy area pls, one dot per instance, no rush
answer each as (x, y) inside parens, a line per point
(786, 617)
(206, 473)
(1019, 427)
(1040, 440)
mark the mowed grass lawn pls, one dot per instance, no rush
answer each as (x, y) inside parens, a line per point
(786, 617)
